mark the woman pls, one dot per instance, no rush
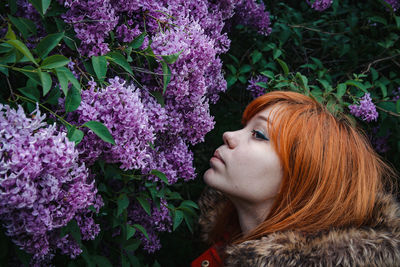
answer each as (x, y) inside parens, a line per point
(297, 186)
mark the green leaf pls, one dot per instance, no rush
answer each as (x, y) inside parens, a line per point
(145, 204)
(65, 74)
(262, 84)
(63, 80)
(138, 41)
(75, 135)
(120, 60)
(356, 84)
(374, 74)
(71, 78)
(383, 88)
(166, 75)
(123, 203)
(325, 84)
(234, 59)
(159, 97)
(160, 175)
(141, 229)
(242, 79)
(48, 43)
(53, 96)
(277, 53)
(283, 66)
(268, 74)
(73, 228)
(170, 59)
(45, 80)
(340, 90)
(130, 231)
(303, 81)
(231, 68)
(29, 24)
(398, 106)
(101, 261)
(31, 73)
(100, 130)
(30, 92)
(41, 5)
(100, 66)
(10, 33)
(255, 56)
(189, 222)
(178, 217)
(132, 245)
(54, 61)
(245, 69)
(189, 203)
(397, 19)
(378, 19)
(20, 26)
(23, 49)
(231, 80)
(72, 99)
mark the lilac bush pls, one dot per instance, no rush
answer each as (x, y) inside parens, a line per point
(150, 121)
(43, 185)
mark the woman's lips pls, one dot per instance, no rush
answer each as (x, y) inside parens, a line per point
(217, 156)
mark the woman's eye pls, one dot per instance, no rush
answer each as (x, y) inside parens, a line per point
(259, 135)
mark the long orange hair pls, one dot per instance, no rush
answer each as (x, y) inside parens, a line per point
(331, 174)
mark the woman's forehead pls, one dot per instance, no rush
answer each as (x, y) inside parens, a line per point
(267, 114)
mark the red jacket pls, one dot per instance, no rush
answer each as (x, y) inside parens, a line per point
(209, 258)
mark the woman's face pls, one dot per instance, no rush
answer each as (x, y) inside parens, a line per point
(246, 167)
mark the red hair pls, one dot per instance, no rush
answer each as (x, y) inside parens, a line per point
(331, 174)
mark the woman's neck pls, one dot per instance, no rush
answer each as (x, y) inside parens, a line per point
(251, 215)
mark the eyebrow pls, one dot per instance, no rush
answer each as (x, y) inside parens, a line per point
(263, 118)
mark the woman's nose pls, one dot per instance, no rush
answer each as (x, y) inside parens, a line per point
(229, 139)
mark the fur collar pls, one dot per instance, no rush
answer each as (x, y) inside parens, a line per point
(365, 246)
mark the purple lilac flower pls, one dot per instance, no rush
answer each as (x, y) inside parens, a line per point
(255, 89)
(320, 5)
(118, 107)
(42, 185)
(92, 22)
(394, 3)
(249, 13)
(366, 110)
(185, 95)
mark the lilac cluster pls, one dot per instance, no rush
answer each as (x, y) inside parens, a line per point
(320, 5)
(159, 221)
(93, 20)
(42, 185)
(255, 89)
(250, 13)
(366, 110)
(394, 3)
(119, 107)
